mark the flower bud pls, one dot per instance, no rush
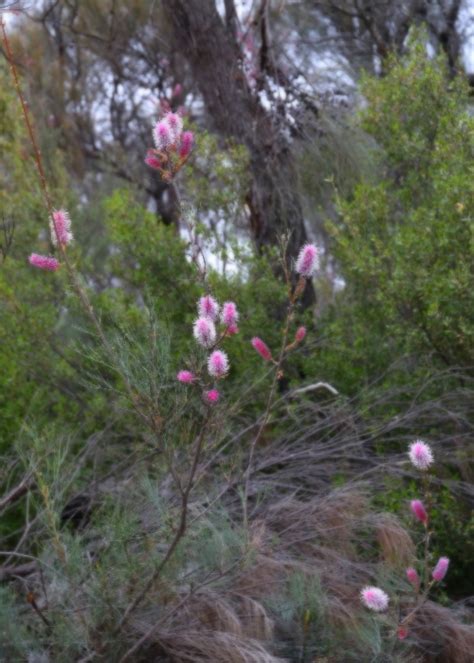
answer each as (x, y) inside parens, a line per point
(186, 377)
(419, 511)
(262, 348)
(440, 569)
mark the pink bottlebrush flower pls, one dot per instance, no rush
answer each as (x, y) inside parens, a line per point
(440, 569)
(413, 577)
(229, 315)
(204, 332)
(419, 511)
(374, 599)
(60, 225)
(162, 136)
(187, 142)
(175, 124)
(152, 161)
(420, 455)
(186, 377)
(300, 334)
(262, 348)
(307, 261)
(44, 262)
(218, 364)
(208, 307)
(211, 396)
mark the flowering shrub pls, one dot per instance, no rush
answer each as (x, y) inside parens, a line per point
(376, 599)
(172, 146)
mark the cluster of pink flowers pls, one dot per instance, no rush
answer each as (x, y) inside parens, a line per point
(172, 146)
(376, 599)
(61, 236)
(206, 334)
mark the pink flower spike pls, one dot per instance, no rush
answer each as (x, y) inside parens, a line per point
(208, 307)
(187, 142)
(262, 348)
(204, 332)
(211, 396)
(420, 455)
(44, 262)
(152, 161)
(308, 260)
(175, 124)
(218, 364)
(186, 377)
(229, 315)
(440, 569)
(413, 577)
(374, 598)
(60, 226)
(162, 136)
(300, 334)
(419, 511)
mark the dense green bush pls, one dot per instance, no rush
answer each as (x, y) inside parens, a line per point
(404, 240)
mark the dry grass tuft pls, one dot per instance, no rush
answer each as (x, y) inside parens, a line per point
(439, 633)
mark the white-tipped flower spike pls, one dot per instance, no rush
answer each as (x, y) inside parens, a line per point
(60, 226)
(208, 307)
(218, 364)
(308, 261)
(420, 455)
(162, 136)
(175, 123)
(229, 315)
(374, 598)
(204, 332)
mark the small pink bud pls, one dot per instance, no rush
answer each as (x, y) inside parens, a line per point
(152, 161)
(300, 334)
(208, 307)
(204, 332)
(419, 511)
(440, 569)
(186, 377)
(402, 632)
(44, 262)
(231, 330)
(229, 315)
(211, 396)
(177, 90)
(413, 577)
(307, 261)
(218, 364)
(60, 226)
(187, 142)
(262, 348)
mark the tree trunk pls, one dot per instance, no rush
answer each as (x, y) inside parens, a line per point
(210, 47)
